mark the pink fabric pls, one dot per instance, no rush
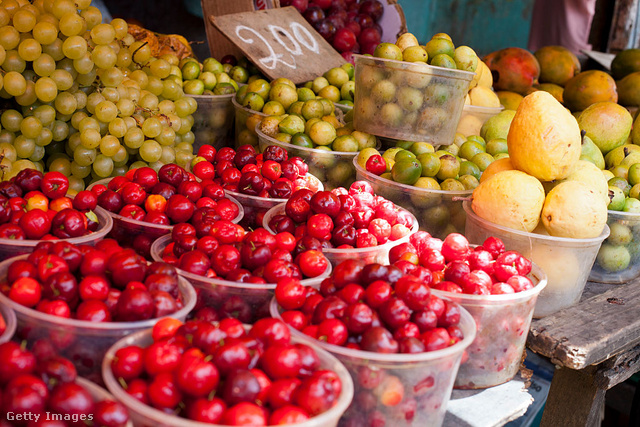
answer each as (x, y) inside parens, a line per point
(561, 23)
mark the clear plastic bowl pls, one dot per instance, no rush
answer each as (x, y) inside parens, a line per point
(502, 327)
(97, 393)
(82, 342)
(332, 168)
(618, 259)
(126, 230)
(567, 262)
(11, 247)
(343, 107)
(427, 378)
(251, 300)
(10, 321)
(439, 212)
(378, 254)
(246, 121)
(408, 100)
(213, 120)
(473, 117)
(255, 207)
(146, 416)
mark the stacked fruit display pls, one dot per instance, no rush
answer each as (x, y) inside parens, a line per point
(234, 270)
(342, 222)
(351, 26)
(82, 299)
(259, 375)
(401, 343)
(86, 99)
(546, 195)
(257, 181)
(260, 98)
(33, 382)
(337, 84)
(400, 96)
(145, 203)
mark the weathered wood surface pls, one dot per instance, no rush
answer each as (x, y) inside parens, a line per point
(280, 42)
(618, 369)
(592, 331)
(574, 399)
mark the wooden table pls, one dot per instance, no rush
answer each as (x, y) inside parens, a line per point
(595, 345)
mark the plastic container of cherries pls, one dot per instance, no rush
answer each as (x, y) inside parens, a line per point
(225, 407)
(8, 323)
(97, 393)
(84, 342)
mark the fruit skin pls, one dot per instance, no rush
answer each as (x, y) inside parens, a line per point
(513, 68)
(589, 174)
(625, 63)
(588, 88)
(544, 139)
(591, 153)
(495, 167)
(629, 89)
(607, 124)
(498, 125)
(511, 199)
(572, 209)
(557, 64)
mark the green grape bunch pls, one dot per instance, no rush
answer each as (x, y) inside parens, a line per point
(83, 97)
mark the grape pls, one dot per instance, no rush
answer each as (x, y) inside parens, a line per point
(29, 50)
(9, 37)
(80, 171)
(104, 57)
(76, 118)
(63, 79)
(13, 62)
(155, 85)
(92, 15)
(45, 32)
(90, 138)
(84, 156)
(61, 7)
(160, 68)
(44, 65)
(84, 64)
(106, 111)
(93, 100)
(87, 79)
(109, 145)
(38, 153)
(11, 120)
(71, 24)
(74, 47)
(123, 59)
(125, 107)
(121, 27)
(83, 4)
(46, 89)
(29, 95)
(184, 146)
(121, 157)
(60, 130)
(103, 166)
(111, 94)
(24, 20)
(141, 52)
(149, 101)
(44, 138)
(66, 103)
(167, 136)
(76, 185)
(46, 114)
(81, 98)
(134, 138)
(8, 151)
(54, 49)
(89, 123)
(5, 17)
(151, 127)
(103, 34)
(140, 77)
(118, 127)
(168, 155)
(30, 127)
(14, 83)
(25, 147)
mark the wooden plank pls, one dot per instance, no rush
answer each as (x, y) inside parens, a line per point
(618, 369)
(574, 399)
(280, 42)
(623, 25)
(591, 331)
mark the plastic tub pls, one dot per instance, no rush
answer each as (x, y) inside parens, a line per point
(126, 230)
(623, 246)
(419, 102)
(10, 321)
(567, 262)
(439, 212)
(332, 168)
(246, 121)
(146, 416)
(378, 254)
(473, 117)
(250, 301)
(82, 342)
(213, 120)
(255, 207)
(427, 378)
(502, 327)
(11, 247)
(97, 393)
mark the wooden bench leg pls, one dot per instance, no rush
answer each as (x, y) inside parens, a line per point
(574, 399)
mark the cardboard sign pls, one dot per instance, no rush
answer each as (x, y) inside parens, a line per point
(280, 43)
(219, 46)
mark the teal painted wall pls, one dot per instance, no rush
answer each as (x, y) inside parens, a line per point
(485, 25)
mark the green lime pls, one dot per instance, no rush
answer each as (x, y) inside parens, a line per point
(295, 108)
(224, 89)
(449, 167)
(406, 171)
(318, 84)
(322, 133)
(305, 94)
(470, 149)
(415, 54)
(349, 68)
(241, 94)
(621, 171)
(312, 109)
(283, 137)
(443, 60)
(418, 148)
(345, 143)
(291, 125)
(302, 140)
(451, 149)
(390, 154)
(347, 91)
(469, 181)
(470, 168)
(284, 94)
(482, 160)
(465, 58)
(253, 101)
(635, 191)
(452, 184)
(388, 51)
(631, 205)
(497, 146)
(478, 139)
(259, 86)
(427, 183)
(212, 65)
(337, 76)
(273, 108)
(330, 92)
(404, 155)
(405, 145)
(239, 74)
(430, 164)
(190, 70)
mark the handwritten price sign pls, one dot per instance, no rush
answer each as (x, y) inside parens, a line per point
(280, 42)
